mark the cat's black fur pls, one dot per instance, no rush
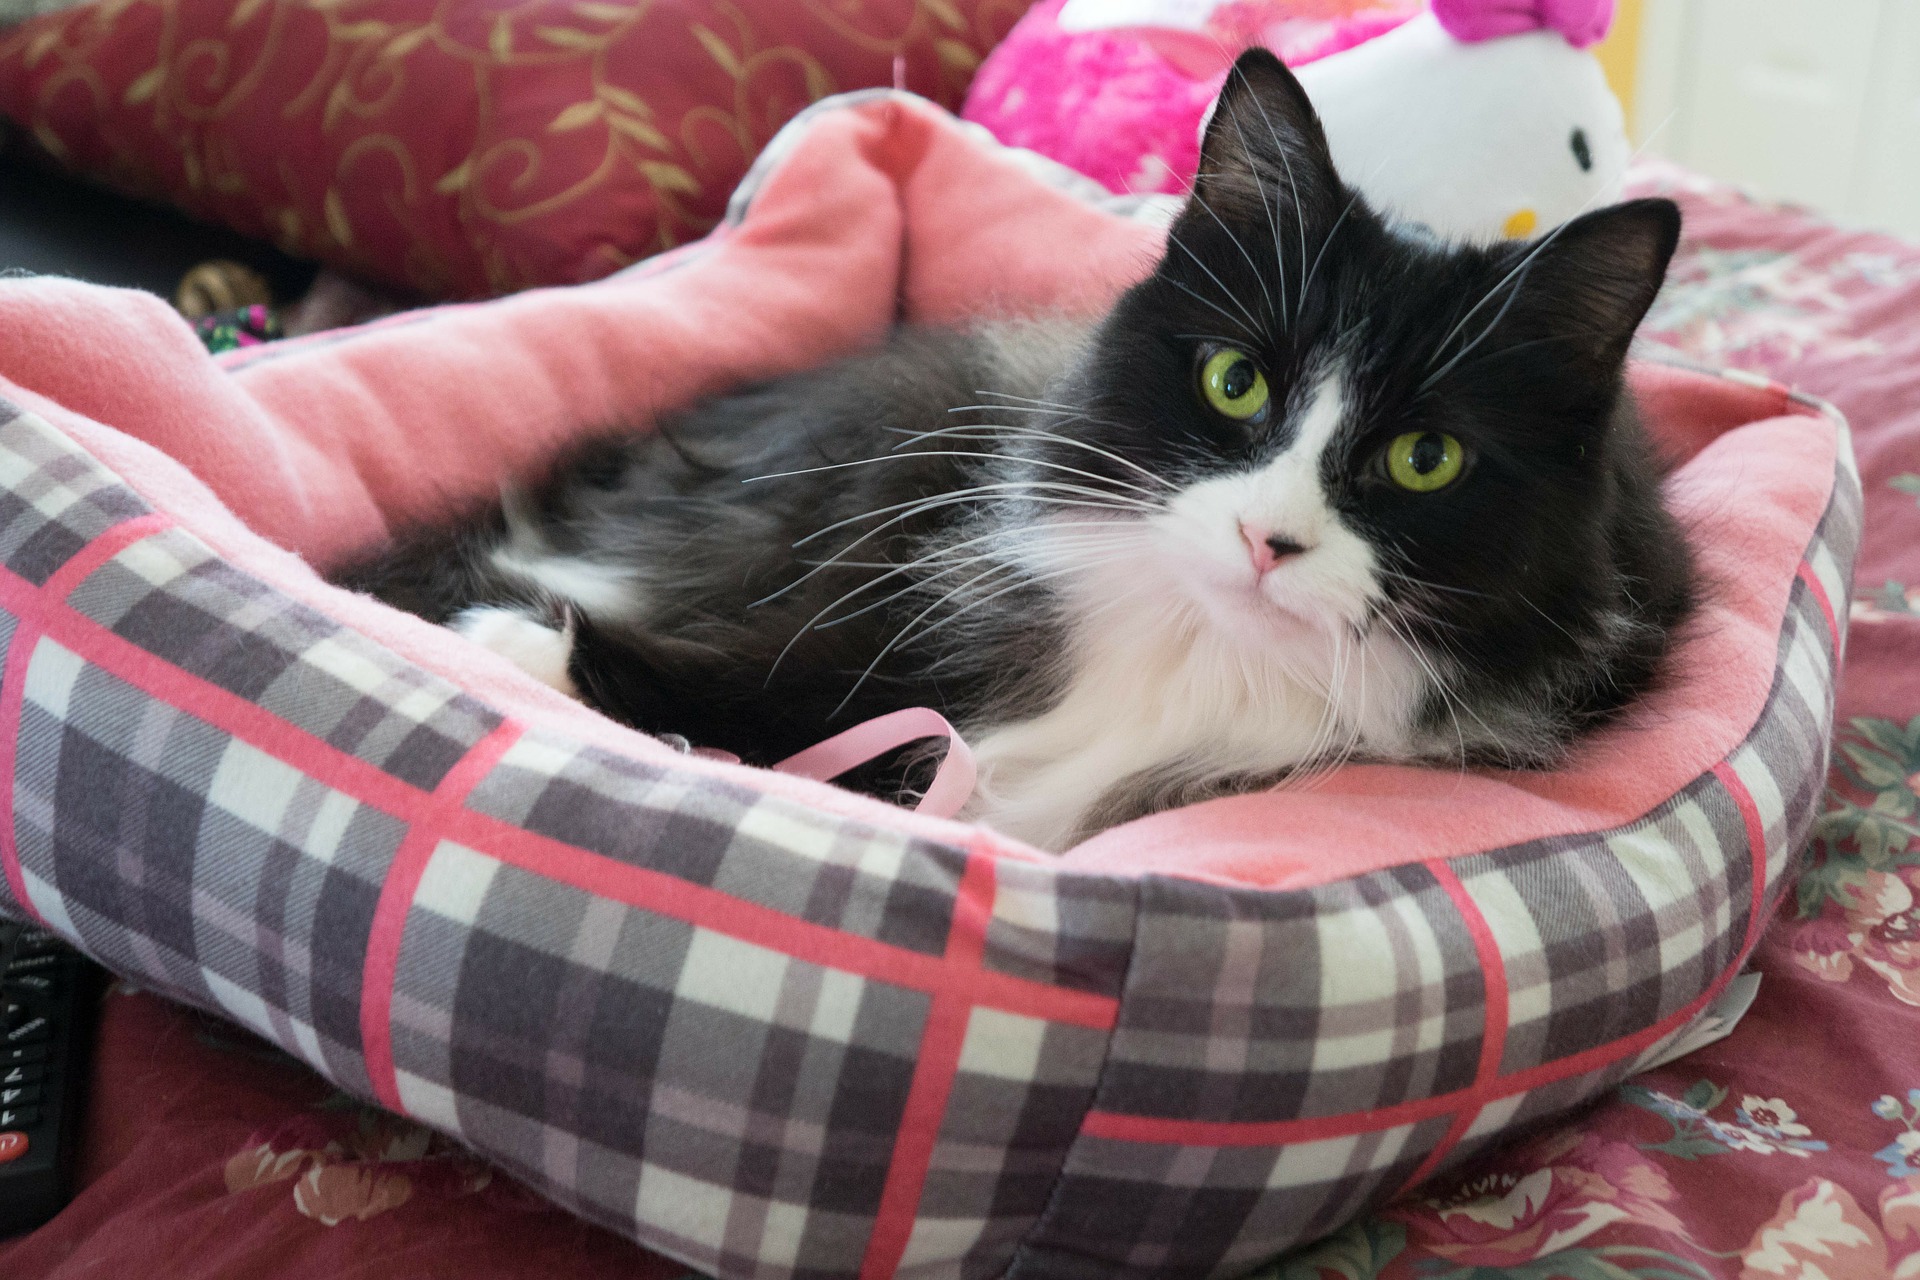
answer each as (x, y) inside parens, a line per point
(1546, 584)
(719, 549)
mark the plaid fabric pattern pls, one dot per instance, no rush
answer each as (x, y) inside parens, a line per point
(777, 1043)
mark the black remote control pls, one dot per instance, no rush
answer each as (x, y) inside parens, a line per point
(49, 998)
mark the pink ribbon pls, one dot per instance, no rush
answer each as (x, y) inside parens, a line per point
(952, 783)
(823, 761)
(1582, 22)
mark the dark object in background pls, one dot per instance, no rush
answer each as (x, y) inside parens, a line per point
(57, 225)
(245, 327)
(220, 285)
(49, 1002)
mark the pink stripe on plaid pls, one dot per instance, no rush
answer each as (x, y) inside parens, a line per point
(1757, 844)
(1493, 1037)
(811, 943)
(941, 1043)
(12, 699)
(1157, 1131)
(224, 710)
(1812, 579)
(396, 900)
(29, 626)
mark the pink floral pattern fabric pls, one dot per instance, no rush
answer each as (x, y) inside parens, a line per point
(1791, 1149)
(367, 1169)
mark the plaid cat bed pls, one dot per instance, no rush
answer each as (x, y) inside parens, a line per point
(762, 1025)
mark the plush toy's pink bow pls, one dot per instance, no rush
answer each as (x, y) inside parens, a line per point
(1582, 22)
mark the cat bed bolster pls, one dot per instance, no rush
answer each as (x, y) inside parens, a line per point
(758, 1023)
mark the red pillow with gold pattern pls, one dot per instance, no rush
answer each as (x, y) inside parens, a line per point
(462, 147)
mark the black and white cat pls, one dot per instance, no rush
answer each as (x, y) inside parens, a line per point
(1318, 488)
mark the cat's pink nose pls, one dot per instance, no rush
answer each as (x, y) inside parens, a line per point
(1267, 549)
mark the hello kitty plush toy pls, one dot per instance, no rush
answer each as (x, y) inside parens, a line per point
(1477, 118)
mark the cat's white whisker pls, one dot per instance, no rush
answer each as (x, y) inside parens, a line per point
(1273, 224)
(932, 453)
(1194, 194)
(1329, 721)
(893, 571)
(928, 559)
(899, 636)
(903, 636)
(1253, 334)
(1433, 379)
(1325, 243)
(1032, 400)
(1293, 185)
(918, 507)
(1425, 585)
(1253, 321)
(998, 488)
(1024, 431)
(1449, 696)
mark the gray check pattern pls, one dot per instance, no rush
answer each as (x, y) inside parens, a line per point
(774, 1042)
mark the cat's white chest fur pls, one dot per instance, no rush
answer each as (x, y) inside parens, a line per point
(1158, 692)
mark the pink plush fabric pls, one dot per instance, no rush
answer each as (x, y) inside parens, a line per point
(881, 210)
(1124, 105)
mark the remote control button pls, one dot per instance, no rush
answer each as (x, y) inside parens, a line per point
(19, 1117)
(14, 1013)
(29, 1032)
(13, 1145)
(28, 1073)
(14, 1055)
(23, 1095)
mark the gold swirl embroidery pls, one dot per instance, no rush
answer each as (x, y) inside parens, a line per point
(242, 87)
(746, 66)
(511, 175)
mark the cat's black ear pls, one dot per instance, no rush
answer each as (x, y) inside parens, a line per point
(1264, 152)
(1594, 279)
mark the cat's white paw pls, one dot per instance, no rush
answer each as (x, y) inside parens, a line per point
(537, 649)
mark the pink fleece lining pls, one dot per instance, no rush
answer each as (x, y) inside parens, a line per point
(879, 211)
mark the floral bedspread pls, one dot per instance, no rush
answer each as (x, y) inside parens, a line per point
(1788, 1151)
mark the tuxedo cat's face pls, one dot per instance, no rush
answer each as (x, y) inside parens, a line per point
(1354, 423)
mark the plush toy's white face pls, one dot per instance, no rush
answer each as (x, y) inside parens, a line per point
(1503, 138)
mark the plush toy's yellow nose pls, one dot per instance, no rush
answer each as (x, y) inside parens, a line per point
(1521, 225)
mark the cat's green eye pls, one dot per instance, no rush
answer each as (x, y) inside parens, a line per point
(1234, 385)
(1424, 461)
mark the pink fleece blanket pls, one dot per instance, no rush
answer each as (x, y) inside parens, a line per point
(320, 446)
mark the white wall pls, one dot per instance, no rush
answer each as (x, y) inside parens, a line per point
(1815, 101)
